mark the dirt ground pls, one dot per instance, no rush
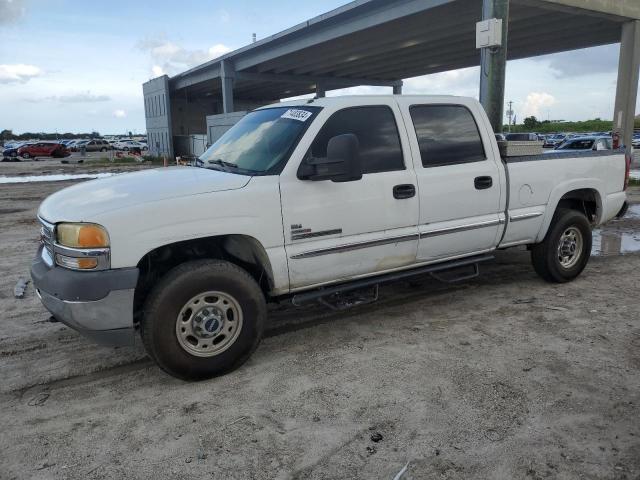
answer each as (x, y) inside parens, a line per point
(502, 377)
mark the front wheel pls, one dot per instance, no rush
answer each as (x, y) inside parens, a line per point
(566, 248)
(204, 318)
(26, 155)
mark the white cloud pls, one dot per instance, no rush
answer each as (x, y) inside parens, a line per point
(157, 71)
(537, 101)
(171, 58)
(12, 10)
(218, 50)
(462, 82)
(18, 73)
(119, 113)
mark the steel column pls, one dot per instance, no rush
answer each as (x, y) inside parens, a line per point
(227, 75)
(493, 65)
(627, 89)
(321, 90)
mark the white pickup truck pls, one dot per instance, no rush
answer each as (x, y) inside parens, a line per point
(308, 200)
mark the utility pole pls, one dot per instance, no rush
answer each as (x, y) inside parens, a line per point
(493, 64)
(510, 114)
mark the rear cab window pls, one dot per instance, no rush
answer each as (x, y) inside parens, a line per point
(447, 135)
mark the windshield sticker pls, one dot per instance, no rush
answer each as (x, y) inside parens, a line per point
(300, 115)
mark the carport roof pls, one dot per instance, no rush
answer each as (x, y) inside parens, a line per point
(376, 42)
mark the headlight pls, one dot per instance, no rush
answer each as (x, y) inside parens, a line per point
(82, 246)
(82, 235)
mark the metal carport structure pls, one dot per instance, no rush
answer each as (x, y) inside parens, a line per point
(376, 42)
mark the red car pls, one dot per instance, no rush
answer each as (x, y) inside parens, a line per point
(43, 149)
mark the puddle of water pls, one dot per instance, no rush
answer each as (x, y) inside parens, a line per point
(614, 243)
(54, 178)
(617, 240)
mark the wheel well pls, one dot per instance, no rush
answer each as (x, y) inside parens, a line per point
(585, 200)
(242, 250)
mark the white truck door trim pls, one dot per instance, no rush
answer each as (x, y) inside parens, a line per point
(355, 246)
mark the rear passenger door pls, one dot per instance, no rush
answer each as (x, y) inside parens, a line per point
(338, 231)
(459, 180)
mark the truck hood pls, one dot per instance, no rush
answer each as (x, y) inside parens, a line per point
(84, 201)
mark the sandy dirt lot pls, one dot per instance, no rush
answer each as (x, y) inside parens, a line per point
(503, 376)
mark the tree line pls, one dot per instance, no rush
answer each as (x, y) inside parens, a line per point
(532, 124)
(8, 134)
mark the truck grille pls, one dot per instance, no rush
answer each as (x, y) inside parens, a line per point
(46, 238)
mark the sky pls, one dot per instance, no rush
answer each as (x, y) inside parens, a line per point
(78, 66)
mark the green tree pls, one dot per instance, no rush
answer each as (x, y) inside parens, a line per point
(6, 135)
(531, 122)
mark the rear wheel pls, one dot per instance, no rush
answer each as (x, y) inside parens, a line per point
(566, 249)
(103, 149)
(204, 318)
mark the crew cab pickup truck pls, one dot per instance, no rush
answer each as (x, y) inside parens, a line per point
(303, 201)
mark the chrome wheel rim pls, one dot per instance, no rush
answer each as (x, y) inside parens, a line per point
(570, 247)
(209, 324)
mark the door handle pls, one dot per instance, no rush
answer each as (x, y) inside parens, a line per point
(482, 183)
(404, 191)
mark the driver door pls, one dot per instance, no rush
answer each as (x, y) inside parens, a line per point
(337, 231)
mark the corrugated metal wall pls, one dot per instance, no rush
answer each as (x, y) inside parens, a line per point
(218, 124)
(157, 110)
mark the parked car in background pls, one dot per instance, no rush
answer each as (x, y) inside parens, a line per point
(43, 149)
(95, 145)
(75, 146)
(11, 149)
(130, 145)
(582, 144)
(552, 141)
(98, 145)
(636, 140)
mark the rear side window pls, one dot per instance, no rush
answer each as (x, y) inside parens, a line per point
(447, 135)
(377, 134)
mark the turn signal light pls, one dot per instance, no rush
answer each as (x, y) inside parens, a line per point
(76, 263)
(82, 235)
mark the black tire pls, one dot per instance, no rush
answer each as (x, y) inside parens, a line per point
(545, 256)
(174, 291)
(103, 149)
(25, 155)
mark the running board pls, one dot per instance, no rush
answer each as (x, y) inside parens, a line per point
(307, 297)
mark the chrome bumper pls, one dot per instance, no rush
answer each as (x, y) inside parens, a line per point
(108, 321)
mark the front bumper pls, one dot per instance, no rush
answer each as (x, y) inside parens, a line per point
(97, 304)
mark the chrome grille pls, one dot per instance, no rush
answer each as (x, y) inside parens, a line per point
(47, 239)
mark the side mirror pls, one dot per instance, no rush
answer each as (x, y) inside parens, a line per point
(342, 163)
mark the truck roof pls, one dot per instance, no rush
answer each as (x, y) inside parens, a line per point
(350, 100)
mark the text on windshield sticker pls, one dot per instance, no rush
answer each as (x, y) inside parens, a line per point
(293, 114)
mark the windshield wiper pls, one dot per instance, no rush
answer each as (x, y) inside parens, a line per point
(226, 166)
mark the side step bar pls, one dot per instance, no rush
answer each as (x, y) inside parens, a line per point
(307, 297)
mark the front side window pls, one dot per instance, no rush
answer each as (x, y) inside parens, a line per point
(447, 135)
(377, 133)
(261, 142)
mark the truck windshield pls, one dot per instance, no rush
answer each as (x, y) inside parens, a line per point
(260, 142)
